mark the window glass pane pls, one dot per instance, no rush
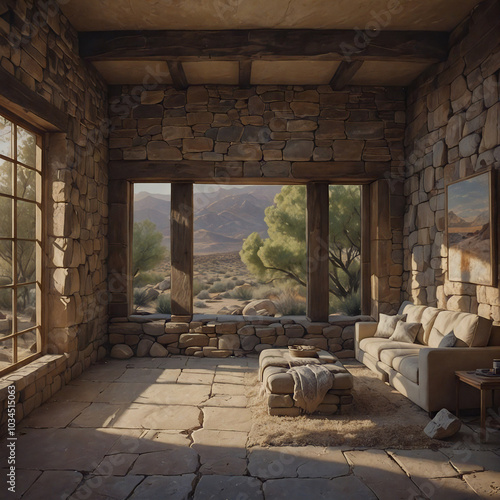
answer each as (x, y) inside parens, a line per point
(5, 137)
(26, 307)
(26, 183)
(5, 353)
(5, 262)
(26, 220)
(26, 147)
(5, 312)
(26, 345)
(6, 177)
(5, 217)
(26, 261)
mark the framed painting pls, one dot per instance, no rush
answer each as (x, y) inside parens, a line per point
(471, 229)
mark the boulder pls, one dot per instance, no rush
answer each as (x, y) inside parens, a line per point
(231, 342)
(158, 351)
(121, 351)
(260, 305)
(443, 425)
(164, 285)
(144, 347)
(150, 294)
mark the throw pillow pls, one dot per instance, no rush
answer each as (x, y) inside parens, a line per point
(406, 332)
(387, 324)
(448, 340)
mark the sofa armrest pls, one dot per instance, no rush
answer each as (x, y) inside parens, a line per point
(437, 367)
(363, 330)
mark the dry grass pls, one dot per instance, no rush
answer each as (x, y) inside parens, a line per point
(380, 417)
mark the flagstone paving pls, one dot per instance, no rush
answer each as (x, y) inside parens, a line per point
(177, 428)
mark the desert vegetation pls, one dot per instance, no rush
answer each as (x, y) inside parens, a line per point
(271, 262)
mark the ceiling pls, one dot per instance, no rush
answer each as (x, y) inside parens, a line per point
(105, 15)
(192, 15)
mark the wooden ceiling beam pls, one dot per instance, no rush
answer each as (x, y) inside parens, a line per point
(178, 76)
(245, 73)
(344, 74)
(338, 45)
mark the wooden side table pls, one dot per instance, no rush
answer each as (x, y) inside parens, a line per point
(484, 384)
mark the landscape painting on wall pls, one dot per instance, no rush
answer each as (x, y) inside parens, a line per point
(469, 217)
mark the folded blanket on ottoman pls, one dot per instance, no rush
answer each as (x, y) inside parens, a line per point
(312, 382)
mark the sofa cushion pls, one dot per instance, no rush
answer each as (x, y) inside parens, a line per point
(374, 346)
(387, 356)
(387, 325)
(406, 332)
(448, 340)
(470, 329)
(420, 314)
(407, 366)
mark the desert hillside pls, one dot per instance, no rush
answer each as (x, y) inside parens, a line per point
(223, 218)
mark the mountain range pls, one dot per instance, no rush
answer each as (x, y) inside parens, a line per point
(223, 218)
(456, 221)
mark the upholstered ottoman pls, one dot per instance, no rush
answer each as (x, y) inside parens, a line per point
(279, 385)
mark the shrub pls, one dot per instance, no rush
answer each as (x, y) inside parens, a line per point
(239, 282)
(290, 304)
(141, 297)
(163, 305)
(350, 305)
(198, 286)
(200, 304)
(203, 295)
(148, 278)
(221, 286)
(264, 292)
(242, 293)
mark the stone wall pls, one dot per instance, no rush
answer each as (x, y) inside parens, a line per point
(453, 131)
(218, 336)
(40, 48)
(275, 134)
(261, 131)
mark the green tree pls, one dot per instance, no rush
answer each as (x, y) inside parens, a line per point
(283, 254)
(147, 250)
(25, 180)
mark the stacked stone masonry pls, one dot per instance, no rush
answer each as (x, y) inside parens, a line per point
(266, 134)
(453, 131)
(40, 49)
(263, 131)
(224, 336)
(279, 385)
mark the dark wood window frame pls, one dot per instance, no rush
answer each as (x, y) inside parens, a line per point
(182, 255)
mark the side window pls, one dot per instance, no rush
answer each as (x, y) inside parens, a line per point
(20, 245)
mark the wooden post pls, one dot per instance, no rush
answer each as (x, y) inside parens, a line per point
(317, 251)
(365, 251)
(181, 246)
(120, 248)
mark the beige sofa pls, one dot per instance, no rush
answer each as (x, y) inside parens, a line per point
(422, 371)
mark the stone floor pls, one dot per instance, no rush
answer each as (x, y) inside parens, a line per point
(176, 428)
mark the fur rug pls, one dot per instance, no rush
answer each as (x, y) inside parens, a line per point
(380, 417)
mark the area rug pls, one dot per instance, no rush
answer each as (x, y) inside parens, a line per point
(380, 417)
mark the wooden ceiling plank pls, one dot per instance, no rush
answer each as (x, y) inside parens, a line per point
(245, 73)
(339, 45)
(344, 74)
(178, 76)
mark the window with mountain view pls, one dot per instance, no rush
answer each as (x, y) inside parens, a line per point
(20, 245)
(249, 245)
(151, 248)
(249, 249)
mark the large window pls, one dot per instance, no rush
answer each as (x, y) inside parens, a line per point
(20, 245)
